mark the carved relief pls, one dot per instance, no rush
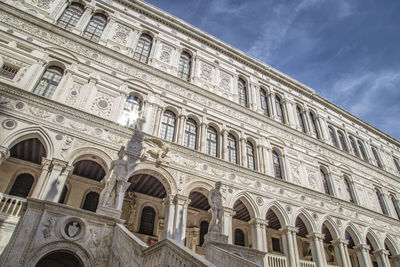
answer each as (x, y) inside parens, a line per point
(156, 149)
(102, 106)
(40, 113)
(74, 93)
(48, 227)
(225, 81)
(44, 4)
(205, 72)
(121, 34)
(165, 55)
(65, 148)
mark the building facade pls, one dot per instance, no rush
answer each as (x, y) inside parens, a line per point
(305, 183)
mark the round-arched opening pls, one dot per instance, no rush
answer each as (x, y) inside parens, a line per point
(242, 213)
(274, 237)
(60, 259)
(198, 201)
(302, 242)
(31, 150)
(89, 169)
(91, 201)
(147, 185)
(240, 237)
(22, 185)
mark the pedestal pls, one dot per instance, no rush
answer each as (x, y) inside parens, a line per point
(114, 213)
(216, 237)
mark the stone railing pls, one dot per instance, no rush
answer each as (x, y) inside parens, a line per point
(222, 257)
(250, 254)
(276, 260)
(170, 253)
(304, 263)
(11, 205)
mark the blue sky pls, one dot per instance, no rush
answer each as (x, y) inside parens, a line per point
(346, 50)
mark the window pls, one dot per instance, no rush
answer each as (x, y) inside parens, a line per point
(95, 28)
(381, 201)
(354, 147)
(376, 157)
(232, 151)
(143, 48)
(203, 231)
(362, 150)
(349, 190)
(49, 81)
(8, 71)
(91, 201)
(279, 109)
(342, 141)
(277, 164)
(264, 101)
(132, 108)
(167, 130)
(276, 244)
(147, 221)
(184, 66)
(239, 238)
(325, 182)
(314, 124)
(70, 16)
(396, 205)
(397, 164)
(250, 156)
(211, 148)
(22, 185)
(300, 118)
(242, 92)
(190, 138)
(333, 136)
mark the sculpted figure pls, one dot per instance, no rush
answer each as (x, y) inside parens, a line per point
(215, 201)
(114, 180)
(156, 149)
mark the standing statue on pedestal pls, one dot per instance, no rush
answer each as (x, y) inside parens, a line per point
(215, 201)
(115, 182)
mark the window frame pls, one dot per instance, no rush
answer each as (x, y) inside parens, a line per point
(72, 11)
(49, 81)
(232, 151)
(165, 133)
(190, 134)
(184, 67)
(300, 119)
(143, 48)
(250, 156)
(209, 141)
(277, 164)
(242, 93)
(96, 26)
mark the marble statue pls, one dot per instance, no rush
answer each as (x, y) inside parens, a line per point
(215, 201)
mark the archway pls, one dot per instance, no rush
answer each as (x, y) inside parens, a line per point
(303, 244)
(371, 242)
(350, 236)
(274, 237)
(390, 247)
(327, 231)
(241, 226)
(60, 258)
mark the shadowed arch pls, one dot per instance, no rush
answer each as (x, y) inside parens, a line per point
(331, 225)
(391, 244)
(373, 239)
(307, 220)
(354, 233)
(200, 186)
(248, 201)
(86, 152)
(279, 211)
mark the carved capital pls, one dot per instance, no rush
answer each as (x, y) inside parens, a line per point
(381, 252)
(181, 200)
(259, 222)
(59, 164)
(315, 236)
(289, 229)
(362, 247)
(340, 241)
(46, 163)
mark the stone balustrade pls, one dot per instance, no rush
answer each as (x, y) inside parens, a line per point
(304, 263)
(11, 205)
(222, 257)
(276, 260)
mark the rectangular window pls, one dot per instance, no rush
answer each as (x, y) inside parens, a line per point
(8, 71)
(276, 244)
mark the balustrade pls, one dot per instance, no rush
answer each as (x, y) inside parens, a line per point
(304, 263)
(11, 205)
(276, 260)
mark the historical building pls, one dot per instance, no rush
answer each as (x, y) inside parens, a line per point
(304, 183)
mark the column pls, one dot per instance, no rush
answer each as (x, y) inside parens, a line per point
(52, 186)
(157, 121)
(317, 248)
(269, 104)
(260, 158)
(242, 152)
(340, 252)
(381, 256)
(4, 154)
(46, 163)
(203, 136)
(224, 144)
(181, 125)
(181, 204)
(227, 223)
(363, 255)
(290, 245)
(169, 213)
(258, 233)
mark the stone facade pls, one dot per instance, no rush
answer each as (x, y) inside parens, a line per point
(304, 182)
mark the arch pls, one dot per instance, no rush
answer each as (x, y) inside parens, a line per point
(275, 140)
(392, 245)
(240, 237)
(331, 225)
(199, 186)
(71, 247)
(143, 47)
(91, 201)
(64, 52)
(242, 86)
(31, 132)
(203, 231)
(279, 211)
(248, 201)
(60, 257)
(22, 185)
(86, 153)
(97, 23)
(31, 150)
(306, 218)
(147, 220)
(198, 201)
(322, 159)
(89, 169)
(373, 238)
(354, 233)
(134, 83)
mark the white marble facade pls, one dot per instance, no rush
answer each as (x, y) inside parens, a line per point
(301, 177)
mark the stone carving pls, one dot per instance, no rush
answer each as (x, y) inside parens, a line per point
(67, 145)
(40, 113)
(48, 226)
(73, 229)
(74, 92)
(45, 4)
(165, 55)
(102, 106)
(156, 149)
(130, 222)
(121, 34)
(115, 182)
(215, 201)
(225, 81)
(206, 72)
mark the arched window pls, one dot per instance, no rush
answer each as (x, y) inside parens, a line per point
(397, 164)
(147, 221)
(381, 201)
(376, 156)
(342, 141)
(250, 156)
(396, 205)
(91, 201)
(325, 182)
(143, 48)
(232, 150)
(332, 135)
(239, 237)
(60, 258)
(314, 125)
(242, 92)
(49, 81)
(63, 195)
(279, 109)
(354, 147)
(22, 185)
(184, 66)
(264, 101)
(132, 108)
(276, 159)
(362, 150)
(167, 130)
(190, 138)
(95, 28)
(70, 16)
(300, 118)
(203, 231)
(89, 169)
(212, 142)
(349, 190)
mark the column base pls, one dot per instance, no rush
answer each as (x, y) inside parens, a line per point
(114, 213)
(216, 237)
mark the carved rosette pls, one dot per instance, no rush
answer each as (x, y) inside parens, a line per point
(121, 34)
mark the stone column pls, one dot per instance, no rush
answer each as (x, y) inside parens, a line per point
(46, 163)
(258, 233)
(52, 186)
(340, 252)
(169, 213)
(381, 256)
(260, 158)
(157, 121)
(269, 105)
(203, 136)
(181, 204)
(290, 245)
(4, 154)
(224, 144)
(363, 255)
(181, 127)
(317, 248)
(227, 223)
(242, 152)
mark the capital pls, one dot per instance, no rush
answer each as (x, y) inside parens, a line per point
(362, 247)
(259, 222)
(381, 252)
(181, 200)
(315, 235)
(340, 241)
(229, 211)
(289, 229)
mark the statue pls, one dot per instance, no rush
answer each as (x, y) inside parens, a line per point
(215, 201)
(156, 149)
(115, 181)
